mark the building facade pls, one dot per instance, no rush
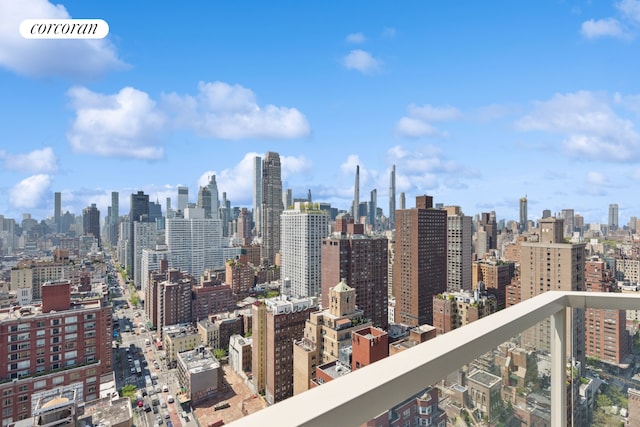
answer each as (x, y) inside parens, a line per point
(277, 323)
(301, 232)
(362, 261)
(420, 261)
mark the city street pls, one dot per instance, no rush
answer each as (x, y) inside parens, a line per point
(135, 347)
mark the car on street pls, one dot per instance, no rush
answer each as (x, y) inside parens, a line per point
(165, 388)
(147, 408)
(170, 399)
(159, 420)
(167, 415)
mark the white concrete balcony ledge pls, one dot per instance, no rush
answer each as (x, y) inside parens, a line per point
(365, 393)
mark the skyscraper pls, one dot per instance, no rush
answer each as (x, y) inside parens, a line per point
(568, 216)
(288, 199)
(57, 211)
(183, 198)
(257, 193)
(91, 222)
(215, 200)
(272, 207)
(302, 230)
(420, 261)
(613, 216)
(355, 209)
(524, 218)
(459, 250)
(373, 208)
(204, 201)
(392, 198)
(488, 224)
(139, 211)
(115, 217)
(195, 242)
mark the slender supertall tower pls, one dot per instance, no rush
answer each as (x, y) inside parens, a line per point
(373, 207)
(356, 197)
(115, 216)
(57, 210)
(392, 198)
(257, 192)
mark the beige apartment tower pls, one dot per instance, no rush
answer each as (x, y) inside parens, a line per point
(549, 264)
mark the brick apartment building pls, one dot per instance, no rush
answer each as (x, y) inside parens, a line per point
(58, 342)
(420, 261)
(362, 261)
(277, 323)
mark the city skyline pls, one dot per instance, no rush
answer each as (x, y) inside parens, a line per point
(476, 106)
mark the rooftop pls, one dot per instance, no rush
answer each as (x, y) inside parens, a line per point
(485, 378)
(198, 360)
(106, 412)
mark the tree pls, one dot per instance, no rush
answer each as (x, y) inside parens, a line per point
(129, 391)
(220, 353)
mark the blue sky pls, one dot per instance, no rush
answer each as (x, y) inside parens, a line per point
(477, 103)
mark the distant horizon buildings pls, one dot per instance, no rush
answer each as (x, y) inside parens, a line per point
(524, 216)
(613, 216)
(91, 222)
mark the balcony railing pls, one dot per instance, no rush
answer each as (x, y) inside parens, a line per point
(366, 393)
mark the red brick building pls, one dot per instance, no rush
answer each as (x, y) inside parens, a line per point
(240, 275)
(361, 260)
(420, 261)
(606, 336)
(59, 342)
(368, 345)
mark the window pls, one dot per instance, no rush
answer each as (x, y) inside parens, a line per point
(70, 319)
(40, 384)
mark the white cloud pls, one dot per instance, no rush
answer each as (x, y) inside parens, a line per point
(597, 178)
(292, 165)
(35, 161)
(425, 168)
(629, 13)
(630, 9)
(356, 38)
(224, 111)
(362, 61)
(126, 124)
(412, 127)
(129, 123)
(592, 128)
(389, 32)
(43, 58)
(608, 27)
(418, 121)
(30, 192)
(434, 114)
